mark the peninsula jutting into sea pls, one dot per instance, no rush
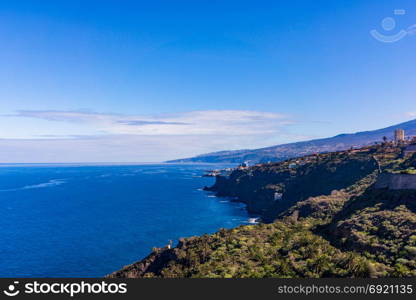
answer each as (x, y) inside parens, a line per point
(349, 213)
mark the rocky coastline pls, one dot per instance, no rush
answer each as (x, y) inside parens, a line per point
(324, 215)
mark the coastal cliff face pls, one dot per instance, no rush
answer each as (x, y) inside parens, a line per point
(293, 181)
(338, 223)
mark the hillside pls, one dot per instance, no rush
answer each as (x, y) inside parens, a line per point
(286, 151)
(294, 180)
(345, 228)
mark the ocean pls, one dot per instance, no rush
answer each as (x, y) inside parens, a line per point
(91, 220)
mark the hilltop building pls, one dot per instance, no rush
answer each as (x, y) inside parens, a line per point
(399, 136)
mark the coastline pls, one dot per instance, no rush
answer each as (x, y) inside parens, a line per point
(317, 213)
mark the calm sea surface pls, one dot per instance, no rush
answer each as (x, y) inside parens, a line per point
(87, 221)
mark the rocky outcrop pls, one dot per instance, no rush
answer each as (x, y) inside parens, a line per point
(157, 260)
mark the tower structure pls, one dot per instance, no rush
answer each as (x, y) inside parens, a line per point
(399, 136)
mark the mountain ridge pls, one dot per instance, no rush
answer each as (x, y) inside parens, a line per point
(282, 152)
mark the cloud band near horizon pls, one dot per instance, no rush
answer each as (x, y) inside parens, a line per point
(208, 122)
(107, 137)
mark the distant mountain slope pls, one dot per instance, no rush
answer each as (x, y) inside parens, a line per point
(285, 151)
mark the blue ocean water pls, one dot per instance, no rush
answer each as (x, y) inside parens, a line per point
(88, 221)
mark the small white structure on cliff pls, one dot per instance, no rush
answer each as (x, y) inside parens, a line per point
(278, 196)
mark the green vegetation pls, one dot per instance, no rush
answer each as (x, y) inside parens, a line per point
(345, 228)
(282, 249)
(382, 226)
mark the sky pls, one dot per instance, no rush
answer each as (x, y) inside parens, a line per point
(148, 81)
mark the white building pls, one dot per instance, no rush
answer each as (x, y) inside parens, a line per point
(278, 196)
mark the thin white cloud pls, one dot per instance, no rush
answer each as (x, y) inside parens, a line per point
(411, 114)
(73, 136)
(208, 122)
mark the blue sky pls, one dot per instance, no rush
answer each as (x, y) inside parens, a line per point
(119, 81)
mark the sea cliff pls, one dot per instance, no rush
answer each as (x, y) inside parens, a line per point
(269, 189)
(324, 216)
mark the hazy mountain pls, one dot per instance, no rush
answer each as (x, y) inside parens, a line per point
(285, 151)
